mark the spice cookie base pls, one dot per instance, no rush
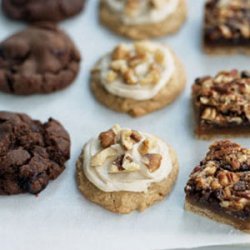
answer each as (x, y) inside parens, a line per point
(213, 216)
(138, 108)
(125, 202)
(168, 26)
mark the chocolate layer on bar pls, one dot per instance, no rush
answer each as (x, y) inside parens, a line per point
(222, 103)
(227, 23)
(221, 182)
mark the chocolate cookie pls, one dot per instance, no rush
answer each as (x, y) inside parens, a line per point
(31, 153)
(40, 59)
(42, 10)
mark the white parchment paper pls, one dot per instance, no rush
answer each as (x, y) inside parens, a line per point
(60, 218)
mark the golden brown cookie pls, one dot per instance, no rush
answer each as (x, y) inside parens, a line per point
(166, 95)
(124, 202)
(171, 24)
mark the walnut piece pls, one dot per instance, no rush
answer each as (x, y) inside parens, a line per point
(129, 138)
(146, 146)
(107, 138)
(152, 161)
(123, 164)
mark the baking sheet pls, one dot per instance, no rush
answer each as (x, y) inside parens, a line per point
(60, 218)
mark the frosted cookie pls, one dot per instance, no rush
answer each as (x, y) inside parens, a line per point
(219, 187)
(221, 104)
(138, 19)
(226, 27)
(125, 170)
(138, 78)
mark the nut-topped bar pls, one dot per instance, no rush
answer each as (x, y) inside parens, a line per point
(219, 187)
(227, 26)
(222, 104)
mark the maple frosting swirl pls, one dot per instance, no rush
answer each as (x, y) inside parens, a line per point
(126, 160)
(137, 12)
(137, 71)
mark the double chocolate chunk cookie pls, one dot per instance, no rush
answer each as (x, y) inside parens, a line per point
(40, 59)
(31, 153)
(42, 10)
(219, 187)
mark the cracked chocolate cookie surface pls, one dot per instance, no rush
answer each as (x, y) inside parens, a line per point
(31, 153)
(40, 59)
(40, 10)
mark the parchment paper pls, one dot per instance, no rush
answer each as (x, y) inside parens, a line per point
(60, 218)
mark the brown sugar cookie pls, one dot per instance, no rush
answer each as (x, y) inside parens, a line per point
(110, 174)
(42, 10)
(143, 19)
(31, 153)
(219, 186)
(138, 78)
(41, 59)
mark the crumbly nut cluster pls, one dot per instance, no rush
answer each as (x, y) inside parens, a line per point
(139, 65)
(132, 7)
(227, 20)
(223, 177)
(223, 100)
(112, 140)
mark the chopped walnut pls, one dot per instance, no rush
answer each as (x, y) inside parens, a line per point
(129, 138)
(146, 146)
(107, 138)
(137, 64)
(120, 53)
(152, 161)
(124, 164)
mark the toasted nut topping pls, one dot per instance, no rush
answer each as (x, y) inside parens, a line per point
(146, 146)
(130, 77)
(123, 164)
(215, 185)
(129, 138)
(223, 100)
(119, 66)
(228, 185)
(152, 161)
(135, 135)
(107, 138)
(99, 159)
(209, 114)
(120, 53)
